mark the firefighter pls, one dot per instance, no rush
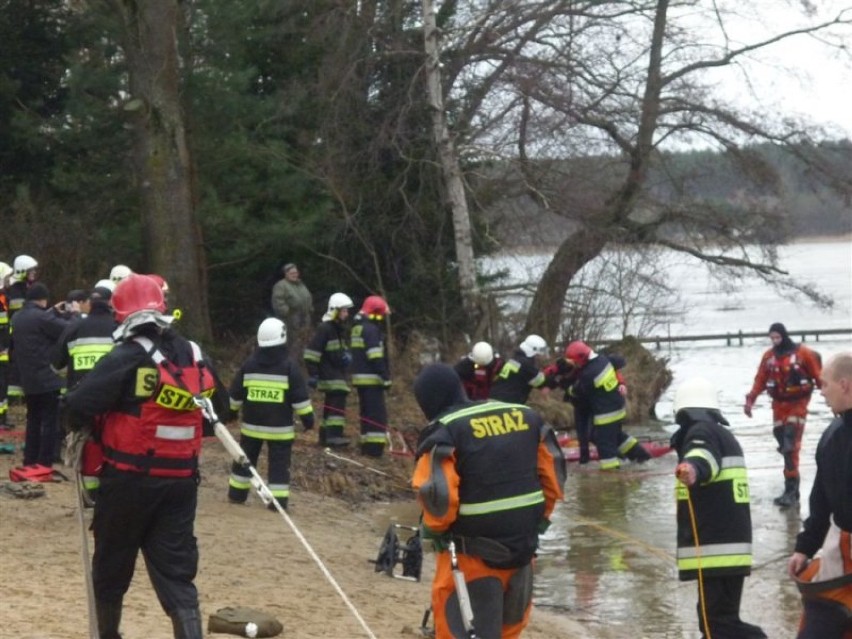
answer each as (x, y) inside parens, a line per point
(143, 392)
(713, 512)
(598, 397)
(477, 370)
(5, 272)
(520, 374)
(268, 388)
(487, 478)
(789, 373)
(327, 359)
(83, 343)
(24, 275)
(119, 272)
(371, 373)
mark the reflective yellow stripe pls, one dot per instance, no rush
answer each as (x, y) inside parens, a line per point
(608, 418)
(701, 453)
(498, 505)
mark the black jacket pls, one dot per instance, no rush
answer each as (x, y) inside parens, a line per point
(34, 334)
(327, 357)
(84, 341)
(516, 378)
(720, 500)
(831, 495)
(370, 365)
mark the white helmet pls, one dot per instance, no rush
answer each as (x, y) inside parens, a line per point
(21, 265)
(119, 272)
(271, 332)
(696, 392)
(5, 271)
(482, 353)
(107, 284)
(534, 345)
(338, 301)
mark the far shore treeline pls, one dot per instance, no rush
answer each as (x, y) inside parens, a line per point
(212, 141)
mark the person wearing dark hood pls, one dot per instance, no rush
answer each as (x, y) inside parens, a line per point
(487, 477)
(789, 373)
(269, 388)
(713, 511)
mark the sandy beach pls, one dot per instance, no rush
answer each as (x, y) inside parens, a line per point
(249, 557)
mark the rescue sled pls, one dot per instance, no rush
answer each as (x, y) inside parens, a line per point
(571, 448)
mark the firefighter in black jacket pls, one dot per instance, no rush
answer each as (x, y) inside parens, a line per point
(143, 391)
(24, 275)
(83, 343)
(598, 397)
(488, 477)
(520, 374)
(712, 499)
(327, 359)
(5, 272)
(269, 388)
(371, 374)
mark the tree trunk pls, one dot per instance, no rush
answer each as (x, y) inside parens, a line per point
(450, 166)
(545, 314)
(173, 242)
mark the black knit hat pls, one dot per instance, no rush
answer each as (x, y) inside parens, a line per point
(436, 388)
(779, 328)
(37, 291)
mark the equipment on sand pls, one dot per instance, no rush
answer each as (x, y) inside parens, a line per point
(392, 552)
(244, 622)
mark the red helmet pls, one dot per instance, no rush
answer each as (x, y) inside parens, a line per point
(375, 307)
(578, 352)
(137, 293)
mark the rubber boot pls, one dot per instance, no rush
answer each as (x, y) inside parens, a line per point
(109, 618)
(187, 623)
(639, 454)
(791, 493)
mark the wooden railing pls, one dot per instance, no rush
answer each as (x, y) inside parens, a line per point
(731, 339)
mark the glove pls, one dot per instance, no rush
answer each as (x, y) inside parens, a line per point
(749, 404)
(440, 541)
(685, 472)
(543, 525)
(308, 421)
(346, 359)
(313, 381)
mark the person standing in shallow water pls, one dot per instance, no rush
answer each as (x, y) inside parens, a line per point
(713, 511)
(789, 373)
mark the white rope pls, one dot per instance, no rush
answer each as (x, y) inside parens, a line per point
(357, 463)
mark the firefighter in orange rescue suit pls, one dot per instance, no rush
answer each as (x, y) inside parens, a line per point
(488, 475)
(142, 391)
(789, 373)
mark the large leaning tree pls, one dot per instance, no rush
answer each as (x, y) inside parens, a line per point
(576, 103)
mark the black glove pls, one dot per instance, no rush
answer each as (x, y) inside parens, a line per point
(308, 421)
(313, 381)
(346, 358)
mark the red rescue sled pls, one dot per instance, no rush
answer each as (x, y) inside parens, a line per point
(571, 448)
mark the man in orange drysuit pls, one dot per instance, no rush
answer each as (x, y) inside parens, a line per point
(488, 475)
(789, 373)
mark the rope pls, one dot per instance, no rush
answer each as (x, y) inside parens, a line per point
(406, 451)
(701, 600)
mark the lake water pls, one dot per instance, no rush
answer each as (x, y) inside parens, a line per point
(609, 555)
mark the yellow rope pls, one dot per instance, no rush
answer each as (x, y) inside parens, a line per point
(701, 600)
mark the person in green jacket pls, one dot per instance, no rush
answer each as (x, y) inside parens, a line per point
(292, 303)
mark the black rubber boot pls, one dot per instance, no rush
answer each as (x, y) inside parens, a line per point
(187, 623)
(791, 493)
(109, 618)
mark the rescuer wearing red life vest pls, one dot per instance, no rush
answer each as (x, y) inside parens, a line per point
(142, 392)
(487, 478)
(789, 373)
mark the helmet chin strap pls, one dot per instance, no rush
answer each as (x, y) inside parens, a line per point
(131, 324)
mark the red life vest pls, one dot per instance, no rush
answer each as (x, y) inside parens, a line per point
(787, 379)
(164, 439)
